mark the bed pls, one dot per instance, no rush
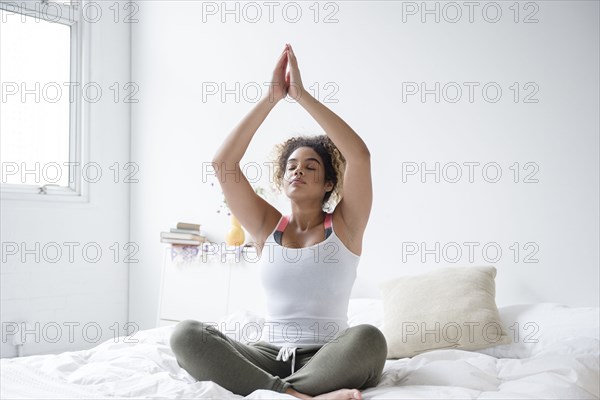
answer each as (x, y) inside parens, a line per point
(561, 362)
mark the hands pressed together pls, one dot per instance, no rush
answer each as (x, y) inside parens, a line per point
(289, 83)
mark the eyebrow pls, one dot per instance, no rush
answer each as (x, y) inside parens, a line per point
(306, 159)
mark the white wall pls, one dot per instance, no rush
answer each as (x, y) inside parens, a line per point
(367, 55)
(73, 291)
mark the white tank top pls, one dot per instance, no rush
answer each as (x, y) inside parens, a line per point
(307, 290)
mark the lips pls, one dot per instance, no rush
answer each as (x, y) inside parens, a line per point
(297, 181)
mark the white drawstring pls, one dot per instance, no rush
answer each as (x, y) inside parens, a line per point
(284, 355)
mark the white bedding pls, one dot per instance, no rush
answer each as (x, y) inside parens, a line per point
(563, 364)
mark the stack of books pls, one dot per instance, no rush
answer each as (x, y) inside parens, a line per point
(184, 234)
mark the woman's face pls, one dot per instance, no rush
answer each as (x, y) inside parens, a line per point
(304, 176)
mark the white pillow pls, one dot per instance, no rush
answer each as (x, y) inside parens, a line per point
(449, 308)
(538, 327)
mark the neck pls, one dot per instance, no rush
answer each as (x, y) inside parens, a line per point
(305, 218)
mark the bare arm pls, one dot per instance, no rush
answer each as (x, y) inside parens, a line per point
(250, 209)
(355, 206)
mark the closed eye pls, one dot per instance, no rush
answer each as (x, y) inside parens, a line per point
(310, 167)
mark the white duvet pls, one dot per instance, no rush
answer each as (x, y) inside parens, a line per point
(563, 364)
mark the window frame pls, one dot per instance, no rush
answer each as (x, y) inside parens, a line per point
(77, 189)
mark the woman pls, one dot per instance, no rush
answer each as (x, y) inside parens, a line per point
(308, 262)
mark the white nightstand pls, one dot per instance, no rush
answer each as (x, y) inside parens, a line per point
(208, 286)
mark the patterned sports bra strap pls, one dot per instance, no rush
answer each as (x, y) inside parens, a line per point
(283, 223)
(328, 221)
(328, 225)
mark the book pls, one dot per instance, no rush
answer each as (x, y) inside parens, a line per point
(185, 231)
(180, 241)
(175, 235)
(186, 225)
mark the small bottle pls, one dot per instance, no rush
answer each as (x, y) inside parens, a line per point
(236, 235)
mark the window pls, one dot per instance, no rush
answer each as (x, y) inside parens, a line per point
(40, 73)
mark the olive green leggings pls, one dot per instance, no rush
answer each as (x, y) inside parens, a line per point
(353, 360)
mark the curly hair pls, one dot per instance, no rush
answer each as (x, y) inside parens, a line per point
(333, 160)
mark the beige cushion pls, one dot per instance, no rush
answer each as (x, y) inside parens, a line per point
(449, 308)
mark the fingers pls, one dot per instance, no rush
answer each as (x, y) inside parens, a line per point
(282, 62)
(292, 55)
(283, 55)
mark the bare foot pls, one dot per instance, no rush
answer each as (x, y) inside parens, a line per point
(297, 394)
(342, 394)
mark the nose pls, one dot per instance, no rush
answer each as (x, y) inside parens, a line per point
(298, 171)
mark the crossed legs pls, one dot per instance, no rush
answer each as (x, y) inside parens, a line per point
(354, 360)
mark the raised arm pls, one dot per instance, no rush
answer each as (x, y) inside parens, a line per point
(251, 210)
(357, 197)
